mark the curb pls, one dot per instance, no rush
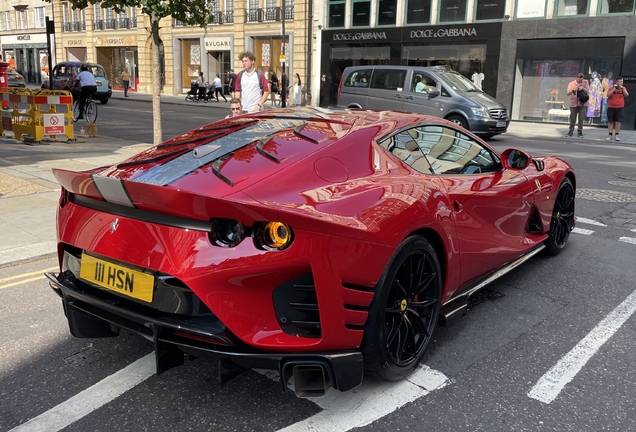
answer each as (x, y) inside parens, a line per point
(24, 254)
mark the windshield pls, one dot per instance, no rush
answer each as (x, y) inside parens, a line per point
(458, 82)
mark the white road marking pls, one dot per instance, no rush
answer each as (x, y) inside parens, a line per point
(582, 231)
(89, 400)
(371, 401)
(550, 385)
(631, 240)
(634, 230)
(589, 221)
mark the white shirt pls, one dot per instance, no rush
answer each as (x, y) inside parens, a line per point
(217, 82)
(250, 90)
(86, 79)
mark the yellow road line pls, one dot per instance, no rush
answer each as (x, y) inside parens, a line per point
(25, 278)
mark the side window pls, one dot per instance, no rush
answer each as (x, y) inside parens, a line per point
(388, 79)
(445, 92)
(451, 152)
(404, 147)
(422, 82)
(358, 78)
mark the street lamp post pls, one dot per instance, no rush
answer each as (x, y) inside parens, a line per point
(50, 31)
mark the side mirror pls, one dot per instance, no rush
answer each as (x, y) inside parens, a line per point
(515, 159)
(433, 92)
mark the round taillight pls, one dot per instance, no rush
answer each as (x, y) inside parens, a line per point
(227, 232)
(273, 236)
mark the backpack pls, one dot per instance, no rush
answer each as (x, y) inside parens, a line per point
(583, 96)
(259, 76)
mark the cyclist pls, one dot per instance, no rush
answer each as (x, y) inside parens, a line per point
(86, 80)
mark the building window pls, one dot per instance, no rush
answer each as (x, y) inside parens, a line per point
(418, 11)
(617, 6)
(386, 12)
(98, 12)
(361, 15)
(490, 9)
(23, 19)
(1, 23)
(39, 17)
(533, 9)
(571, 7)
(452, 10)
(64, 12)
(336, 13)
(7, 16)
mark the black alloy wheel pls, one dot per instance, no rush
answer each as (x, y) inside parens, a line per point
(404, 312)
(562, 221)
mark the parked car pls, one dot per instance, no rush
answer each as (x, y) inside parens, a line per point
(64, 77)
(437, 91)
(322, 245)
(15, 79)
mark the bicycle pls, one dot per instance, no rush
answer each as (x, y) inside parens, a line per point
(90, 109)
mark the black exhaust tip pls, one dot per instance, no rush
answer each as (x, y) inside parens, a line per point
(310, 381)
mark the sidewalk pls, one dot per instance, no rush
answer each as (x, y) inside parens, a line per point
(29, 192)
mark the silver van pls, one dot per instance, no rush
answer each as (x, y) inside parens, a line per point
(438, 91)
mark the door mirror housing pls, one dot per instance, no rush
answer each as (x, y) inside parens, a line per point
(433, 92)
(515, 159)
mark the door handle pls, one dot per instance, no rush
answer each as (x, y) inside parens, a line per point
(409, 97)
(398, 97)
(458, 206)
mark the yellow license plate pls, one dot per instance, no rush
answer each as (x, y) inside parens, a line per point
(131, 283)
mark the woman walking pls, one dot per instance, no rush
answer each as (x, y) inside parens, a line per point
(218, 88)
(295, 91)
(273, 85)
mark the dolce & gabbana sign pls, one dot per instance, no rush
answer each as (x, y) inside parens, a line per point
(447, 32)
(380, 35)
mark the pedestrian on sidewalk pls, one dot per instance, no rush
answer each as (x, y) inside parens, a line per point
(218, 88)
(202, 88)
(125, 78)
(236, 109)
(615, 108)
(578, 90)
(251, 84)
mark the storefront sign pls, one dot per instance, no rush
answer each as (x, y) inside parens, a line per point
(445, 32)
(73, 42)
(531, 9)
(24, 39)
(115, 41)
(380, 35)
(218, 43)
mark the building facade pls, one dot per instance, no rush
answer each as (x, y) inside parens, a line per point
(120, 40)
(23, 38)
(527, 50)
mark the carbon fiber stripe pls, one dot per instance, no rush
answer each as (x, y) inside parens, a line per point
(112, 190)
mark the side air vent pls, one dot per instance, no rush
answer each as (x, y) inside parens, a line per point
(296, 306)
(534, 224)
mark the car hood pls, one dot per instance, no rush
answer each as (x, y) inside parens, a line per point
(483, 100)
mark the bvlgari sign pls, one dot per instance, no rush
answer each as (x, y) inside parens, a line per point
(445, 32)
(218, 43)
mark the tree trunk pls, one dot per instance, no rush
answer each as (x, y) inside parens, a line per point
(156, 81)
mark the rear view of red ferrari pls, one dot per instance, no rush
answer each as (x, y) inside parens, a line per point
(324, 245)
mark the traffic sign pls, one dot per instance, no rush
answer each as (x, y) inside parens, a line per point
(53, 124)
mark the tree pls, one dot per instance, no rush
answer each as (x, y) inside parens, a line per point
(191, 12)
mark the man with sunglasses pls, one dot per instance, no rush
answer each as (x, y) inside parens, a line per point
(236, 109)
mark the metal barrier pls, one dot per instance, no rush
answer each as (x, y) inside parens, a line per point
(29, 119)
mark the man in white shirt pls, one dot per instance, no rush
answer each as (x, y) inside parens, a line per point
(86, 80)
(251, 85)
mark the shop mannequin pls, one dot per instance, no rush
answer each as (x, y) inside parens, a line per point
(596, 96)
(478, 79)
(606, 84)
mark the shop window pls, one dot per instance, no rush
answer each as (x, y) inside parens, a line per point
(418, 11)
(386, 12)
(617, 6)
(336, 13)
(452, 10)
(490, 9)
(571, 7)
(361, 13)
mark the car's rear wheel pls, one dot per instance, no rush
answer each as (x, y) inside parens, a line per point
(104, 101)
(404, 311)
(562, 221)
(458, 120)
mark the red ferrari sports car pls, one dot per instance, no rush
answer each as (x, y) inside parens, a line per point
(324, 245)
